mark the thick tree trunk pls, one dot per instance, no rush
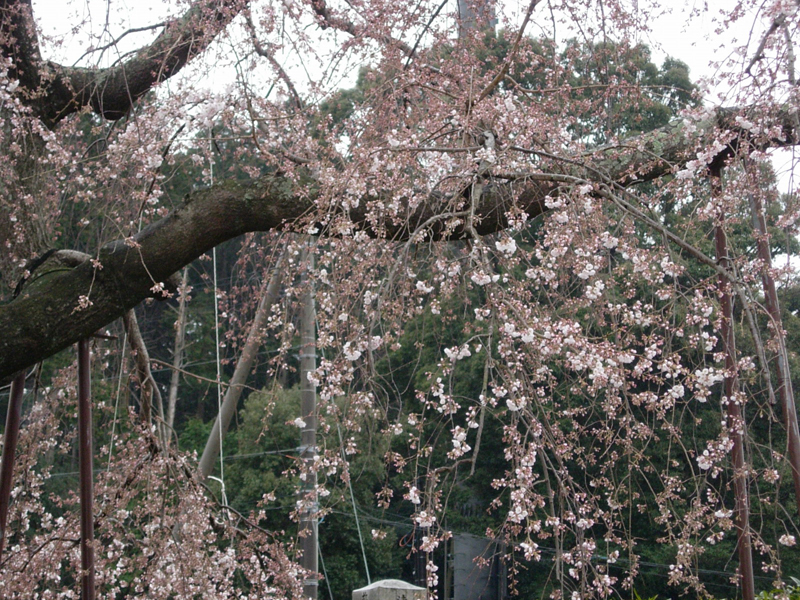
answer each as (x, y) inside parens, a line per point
(64, 307)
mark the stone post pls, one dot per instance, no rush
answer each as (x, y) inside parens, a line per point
(391, 589)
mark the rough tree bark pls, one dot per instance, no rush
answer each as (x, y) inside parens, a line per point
(57, 91)
(69, 305)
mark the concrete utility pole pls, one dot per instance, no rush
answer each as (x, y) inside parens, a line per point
(475, 14)
(86, 458)
(308, 439)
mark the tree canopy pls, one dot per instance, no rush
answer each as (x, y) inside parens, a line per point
(542, 266)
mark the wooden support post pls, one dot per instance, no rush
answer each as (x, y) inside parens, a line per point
(86, 475)
(11, 435)
(735, 412)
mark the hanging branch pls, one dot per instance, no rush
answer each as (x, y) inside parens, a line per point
(44, 318)
(785, 391)
(735, 413)
(511, 55)
(263, 52)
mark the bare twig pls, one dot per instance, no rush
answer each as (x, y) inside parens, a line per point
(261, 51)
(759, 54)
(423, 32)
(347, 26)
(118, 39)
(510, 58)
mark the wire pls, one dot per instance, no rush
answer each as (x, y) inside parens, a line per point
(219, 364)
(227, 458)
(265, 453)
(397, 524)
(116, 400)
(353, 500)
(352, 497)
(324, 570)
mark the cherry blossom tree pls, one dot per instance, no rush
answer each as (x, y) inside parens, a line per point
(607, 287)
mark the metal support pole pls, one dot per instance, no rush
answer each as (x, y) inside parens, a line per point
(11, 435)
(86, 483)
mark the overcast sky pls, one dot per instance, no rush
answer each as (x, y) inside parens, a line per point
(675, 33)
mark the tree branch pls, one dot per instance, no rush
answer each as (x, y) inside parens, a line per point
(55, 91)
(327, 19)
(69, 304)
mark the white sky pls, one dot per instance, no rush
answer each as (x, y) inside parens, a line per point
(674, 34)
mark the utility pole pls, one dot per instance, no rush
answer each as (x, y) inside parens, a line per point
(475, 15)
(308, 439)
